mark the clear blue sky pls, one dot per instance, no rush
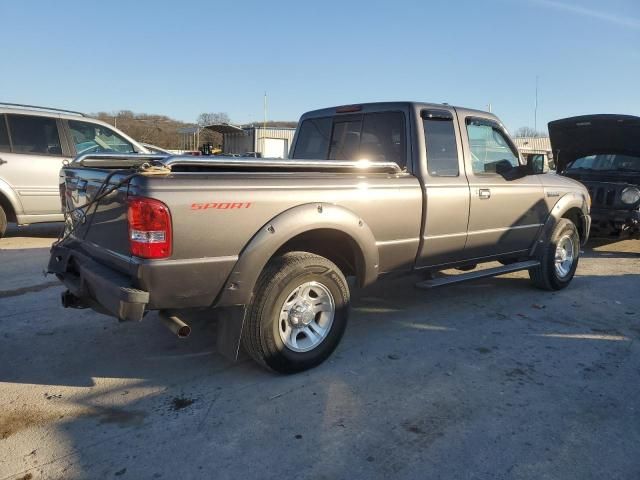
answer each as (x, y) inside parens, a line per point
(181, 58)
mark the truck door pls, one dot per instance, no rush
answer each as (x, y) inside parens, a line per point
(507, 207)
(446, 190)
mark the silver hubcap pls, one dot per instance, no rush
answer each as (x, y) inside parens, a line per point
(565, 256)
(306, 316)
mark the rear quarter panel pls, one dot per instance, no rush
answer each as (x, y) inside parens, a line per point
(217, 215)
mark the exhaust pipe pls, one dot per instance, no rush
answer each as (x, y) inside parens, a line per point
(173, 323)
(69, 300)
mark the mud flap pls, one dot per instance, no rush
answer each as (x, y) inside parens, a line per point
(230, 325)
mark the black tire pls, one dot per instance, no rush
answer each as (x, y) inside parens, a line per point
(3, 222)
(261, 337)
(545, 276)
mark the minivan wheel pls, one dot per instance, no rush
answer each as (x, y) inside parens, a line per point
(3, 222)
(558, 259)
(299, 313)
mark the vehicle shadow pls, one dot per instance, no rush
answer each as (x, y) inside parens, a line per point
(612, 248)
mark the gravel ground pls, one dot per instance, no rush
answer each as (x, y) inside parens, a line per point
(486, 380)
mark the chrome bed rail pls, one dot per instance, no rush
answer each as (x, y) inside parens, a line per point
(212, 162)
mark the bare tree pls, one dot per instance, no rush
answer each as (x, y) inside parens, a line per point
(528, 132)
(213, 117)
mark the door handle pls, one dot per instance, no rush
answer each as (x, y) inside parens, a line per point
(2, 161)
(484, 193)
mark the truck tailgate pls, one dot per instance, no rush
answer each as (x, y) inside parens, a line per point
(100, 225)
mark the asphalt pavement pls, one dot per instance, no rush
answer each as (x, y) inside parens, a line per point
(486, 380)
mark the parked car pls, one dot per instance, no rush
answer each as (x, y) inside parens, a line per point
(603, 153)
(371, 190)
(34, 143)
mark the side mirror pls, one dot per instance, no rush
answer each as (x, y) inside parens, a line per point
(536, 164)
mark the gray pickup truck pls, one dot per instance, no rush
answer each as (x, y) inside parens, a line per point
(369, 190)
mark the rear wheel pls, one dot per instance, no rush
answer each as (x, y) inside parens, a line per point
(558, 259)
(3, 222)
(299, 313)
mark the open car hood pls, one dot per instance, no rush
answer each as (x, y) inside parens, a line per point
(577, 137)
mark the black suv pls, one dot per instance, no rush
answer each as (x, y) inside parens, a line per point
(603, 152)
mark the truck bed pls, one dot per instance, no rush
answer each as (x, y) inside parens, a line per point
(219, 205)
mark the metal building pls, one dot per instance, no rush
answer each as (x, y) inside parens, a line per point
(266, 142)
(534, 146)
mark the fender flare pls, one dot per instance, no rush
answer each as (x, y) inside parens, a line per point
(562, 206)
(12, 197)
(238, 288)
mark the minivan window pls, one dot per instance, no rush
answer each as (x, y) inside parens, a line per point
(33, 134)
(489, 146)
(442, 151)
(95, 138)
(4, 135)
(313, 139)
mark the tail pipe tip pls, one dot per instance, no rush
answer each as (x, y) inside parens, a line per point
(177, 326)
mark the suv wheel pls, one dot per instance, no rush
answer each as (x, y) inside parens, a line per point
(3, 222)
(558, 259)
(299, 313)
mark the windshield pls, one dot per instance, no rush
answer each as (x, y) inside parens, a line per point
(606, 162)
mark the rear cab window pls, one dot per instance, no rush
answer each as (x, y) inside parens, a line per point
(34, 135)
(377, 137)
(95, 138)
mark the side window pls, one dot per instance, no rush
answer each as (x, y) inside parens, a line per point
(4, 135)
(94, 138)
(32, 134)
(440, 139)
(489, 147)
(313, 139)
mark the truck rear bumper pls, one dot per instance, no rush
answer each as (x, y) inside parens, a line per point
(95, 286)
(148, 285)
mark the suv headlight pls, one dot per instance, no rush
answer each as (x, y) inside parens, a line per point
(630, 195)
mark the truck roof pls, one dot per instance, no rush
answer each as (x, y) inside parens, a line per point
(403, 105)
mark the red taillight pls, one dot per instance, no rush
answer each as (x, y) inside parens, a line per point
(149, 228)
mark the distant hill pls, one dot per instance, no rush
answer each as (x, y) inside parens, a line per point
(164, 131)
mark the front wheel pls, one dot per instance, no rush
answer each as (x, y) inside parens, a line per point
(298, 314)
(558, 258)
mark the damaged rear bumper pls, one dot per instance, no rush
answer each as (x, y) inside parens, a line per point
(92, 285)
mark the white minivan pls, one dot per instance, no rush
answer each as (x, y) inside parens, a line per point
(34, 144)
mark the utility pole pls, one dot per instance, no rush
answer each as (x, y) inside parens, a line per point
(535, 109)
(264, 125)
